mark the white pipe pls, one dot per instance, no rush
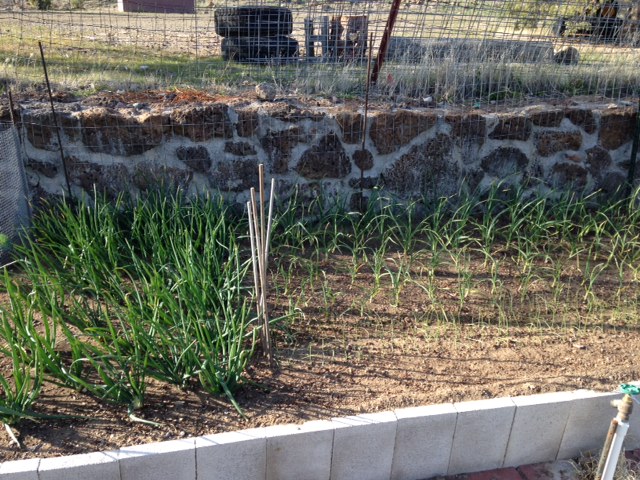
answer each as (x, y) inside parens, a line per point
(616, 447)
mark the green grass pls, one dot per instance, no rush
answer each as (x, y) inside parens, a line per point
(157, 288)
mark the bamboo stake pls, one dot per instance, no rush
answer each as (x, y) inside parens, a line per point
(263, 271)
(265, 262)
(256, 229)
(254, 261)
(260, 238)
(269, 224)
(261, 180)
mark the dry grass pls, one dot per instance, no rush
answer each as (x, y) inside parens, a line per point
(99, 48)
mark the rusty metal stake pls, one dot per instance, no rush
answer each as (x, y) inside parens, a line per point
(363, 136)
(634, 155)
(384, 43)
(55, 121)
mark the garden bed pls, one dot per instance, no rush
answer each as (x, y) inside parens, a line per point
(391, 308)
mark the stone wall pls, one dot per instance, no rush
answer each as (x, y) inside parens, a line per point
(201, 145)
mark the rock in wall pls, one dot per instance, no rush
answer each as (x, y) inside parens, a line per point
(407, 152)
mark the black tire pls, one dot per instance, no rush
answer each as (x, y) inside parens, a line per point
(607, 28)
(260, 49)
(253, 21)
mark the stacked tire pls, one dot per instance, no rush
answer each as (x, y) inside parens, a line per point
(256, 34)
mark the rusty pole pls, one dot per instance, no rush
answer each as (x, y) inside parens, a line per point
(65, 170)
(631, 176)
(384, 43)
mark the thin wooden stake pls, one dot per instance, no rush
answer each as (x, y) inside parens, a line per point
(11, 107)
(265, 262)
(270, 217)
(254, 262)
(14, 122)
(256, 230)
(256, 258)
(261, 180)
(260, 238)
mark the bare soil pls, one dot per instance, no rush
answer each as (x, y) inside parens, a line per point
(343, 354)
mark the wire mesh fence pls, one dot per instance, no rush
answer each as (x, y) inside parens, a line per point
(14, 214)
(454, 51)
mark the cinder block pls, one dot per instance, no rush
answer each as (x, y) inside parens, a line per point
(363, 447)
(423, 441)
(588, 423)
(297, 452)
(96, 466)
(538, 427)
(175, 459)
(481, 435)
(20, 469)
(240, 455)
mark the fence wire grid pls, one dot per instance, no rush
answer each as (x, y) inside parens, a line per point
(454, 51)
(14, 211)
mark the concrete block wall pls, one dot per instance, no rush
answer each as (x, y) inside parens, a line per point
(406, 444)
(538, 427)
(20, 469)
(482, 435)
(299, 451)
(98, 465)
(231, 455)
(363, 446)
(590, 415)
(424, 437)
(175, 459)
